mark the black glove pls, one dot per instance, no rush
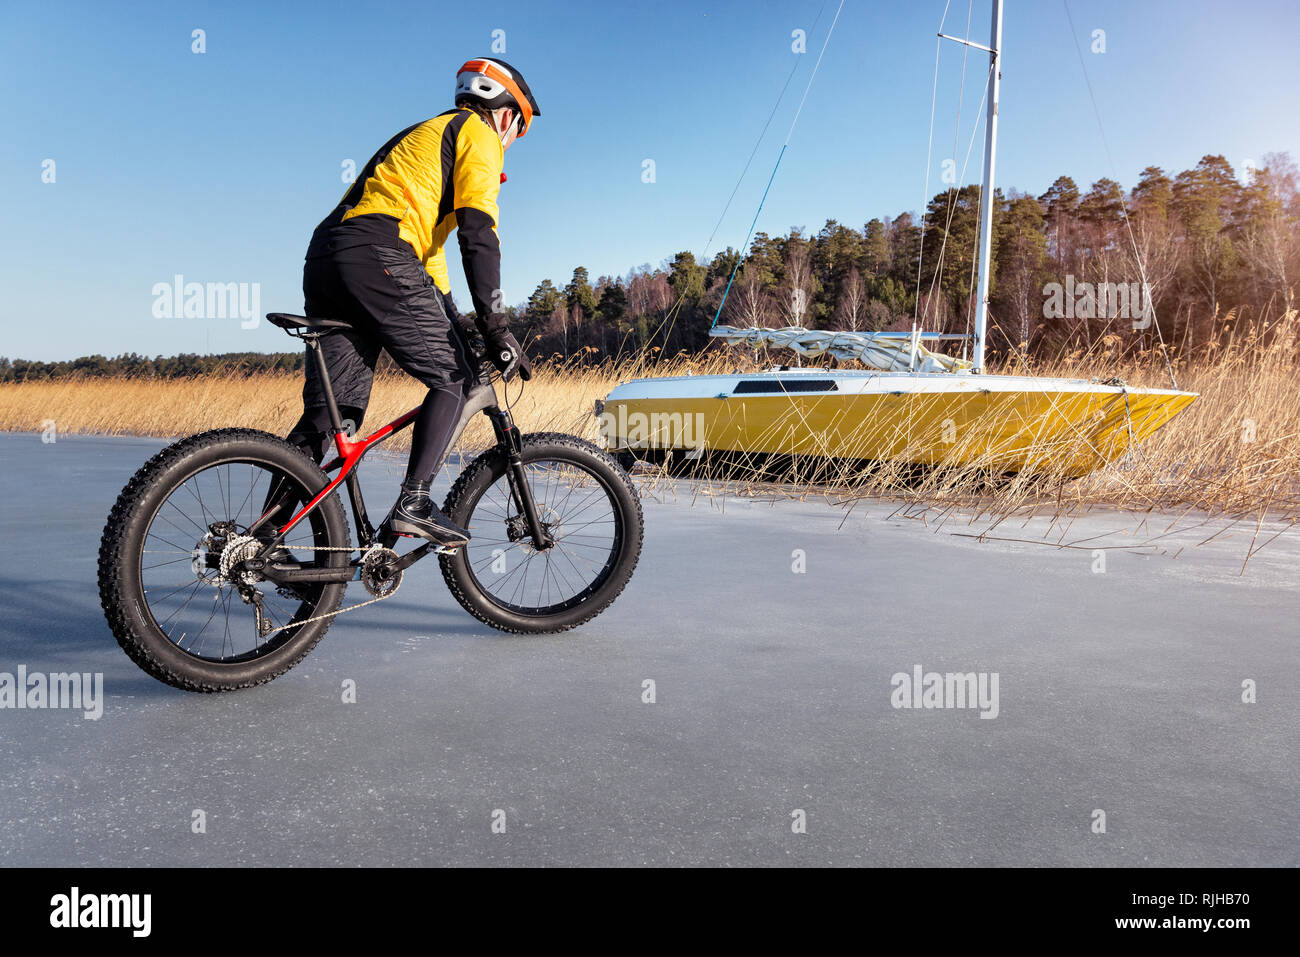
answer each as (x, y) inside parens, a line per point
(470, 335)
(506, 354)
(473, 338)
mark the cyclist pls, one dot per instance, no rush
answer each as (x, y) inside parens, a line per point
(377, 262)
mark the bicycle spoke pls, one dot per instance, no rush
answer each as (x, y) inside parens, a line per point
(225, 508)
(198, 497)
(179, 548)
(173, 591)
(197, 587)
(248, 498)
(191, 527)
(161, 564)
(202, 529)
(216, 603)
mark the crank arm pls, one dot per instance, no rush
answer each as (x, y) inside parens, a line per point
(413, 556)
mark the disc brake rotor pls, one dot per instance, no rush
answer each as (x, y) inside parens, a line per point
(204, 572)
(517, 528)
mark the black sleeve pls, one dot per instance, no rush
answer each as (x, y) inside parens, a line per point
(480, 252)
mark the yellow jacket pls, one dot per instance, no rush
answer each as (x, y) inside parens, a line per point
(426, 181)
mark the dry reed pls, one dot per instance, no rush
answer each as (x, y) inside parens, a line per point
(1235, 451)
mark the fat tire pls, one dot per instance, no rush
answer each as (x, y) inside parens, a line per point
(119, 578)
(489, 468)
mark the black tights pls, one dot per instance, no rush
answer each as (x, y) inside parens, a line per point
(432, 431)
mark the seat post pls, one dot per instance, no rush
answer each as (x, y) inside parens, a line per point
(313, 344)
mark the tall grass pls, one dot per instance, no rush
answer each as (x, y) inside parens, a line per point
(1236, 450)
(559, 398)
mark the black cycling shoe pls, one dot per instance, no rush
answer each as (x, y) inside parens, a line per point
(415, 514)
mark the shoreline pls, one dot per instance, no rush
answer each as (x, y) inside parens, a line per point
(1079, 526)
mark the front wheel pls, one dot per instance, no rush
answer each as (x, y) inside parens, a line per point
(586, 504)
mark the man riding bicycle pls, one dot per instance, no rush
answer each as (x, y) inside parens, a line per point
(243, 596)
(377, 263)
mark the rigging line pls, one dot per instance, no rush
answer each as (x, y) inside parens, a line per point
(813, 76)
(953, 190)
(672, 311)
(808, 87)
(929, 158)
(758, 142)
(748, 236)
(970, 297)
(979, 203)
(952, 206)
(956, 138)
(1128, 224)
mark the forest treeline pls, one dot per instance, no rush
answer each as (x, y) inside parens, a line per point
(1217, 253)
(132, 365)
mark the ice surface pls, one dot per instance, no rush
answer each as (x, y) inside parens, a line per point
(1119, 690)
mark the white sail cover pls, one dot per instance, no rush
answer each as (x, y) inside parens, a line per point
(889, 353)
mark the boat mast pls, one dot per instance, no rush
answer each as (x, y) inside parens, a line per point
(986, 194)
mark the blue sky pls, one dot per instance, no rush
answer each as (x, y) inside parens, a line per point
(216, 166)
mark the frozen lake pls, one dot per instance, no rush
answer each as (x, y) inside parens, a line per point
(773, 637)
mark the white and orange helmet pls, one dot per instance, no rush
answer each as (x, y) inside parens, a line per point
(494, 84)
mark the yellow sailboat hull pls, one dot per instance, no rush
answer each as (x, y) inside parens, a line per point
(1000, 423)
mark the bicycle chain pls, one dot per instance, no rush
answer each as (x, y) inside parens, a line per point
(331, 614)
(308, 621)
(363, 604)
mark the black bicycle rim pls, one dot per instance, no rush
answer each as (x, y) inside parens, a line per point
(559, 565)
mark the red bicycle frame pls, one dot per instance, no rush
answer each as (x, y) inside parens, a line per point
(481, 398)
(349, 457)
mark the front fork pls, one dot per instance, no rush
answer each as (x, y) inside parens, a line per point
(511, 442)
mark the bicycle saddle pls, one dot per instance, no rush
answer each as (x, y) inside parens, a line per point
(286, 321)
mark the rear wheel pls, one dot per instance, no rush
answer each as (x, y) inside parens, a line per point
(584, 501)
(172, 578)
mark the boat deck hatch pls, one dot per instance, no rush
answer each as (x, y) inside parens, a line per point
(760, 386)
